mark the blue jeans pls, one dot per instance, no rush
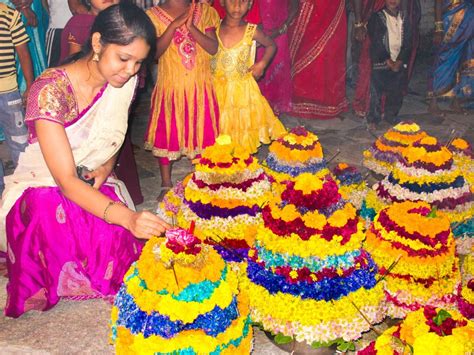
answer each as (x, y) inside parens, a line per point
(12, 123)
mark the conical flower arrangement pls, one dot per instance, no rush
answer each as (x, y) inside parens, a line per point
(382, 156)
(224, 198)
(430, 330)
(297, 152)
(414, 248)
(426, 172)
(308, 276)
(180, 297)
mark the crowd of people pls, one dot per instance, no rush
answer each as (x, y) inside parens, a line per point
(232, 67)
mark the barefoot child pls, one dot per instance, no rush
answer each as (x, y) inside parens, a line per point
(245, 114)
(184, 117)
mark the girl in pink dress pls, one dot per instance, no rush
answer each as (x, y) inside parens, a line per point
(184, 117)
(69, 231)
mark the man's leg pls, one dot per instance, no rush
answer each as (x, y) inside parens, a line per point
(16, 133)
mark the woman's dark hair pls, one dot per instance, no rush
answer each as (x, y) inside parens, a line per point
(120, 24)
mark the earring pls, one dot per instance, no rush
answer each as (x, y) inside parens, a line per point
(95, 57)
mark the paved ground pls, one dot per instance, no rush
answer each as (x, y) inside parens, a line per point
(81, 327)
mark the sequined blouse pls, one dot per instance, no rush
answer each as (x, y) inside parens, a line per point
(52, 98)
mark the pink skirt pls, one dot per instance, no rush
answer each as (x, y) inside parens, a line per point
(57, 249)
(167, 142)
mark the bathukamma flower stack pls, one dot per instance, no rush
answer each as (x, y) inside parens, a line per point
(433, 331)
(463, 156)
(414, 248)
(427, 173)
(180, 297)
(224, 197)
(295, 153)
(466, 289)
(386, 150)
(308, 276)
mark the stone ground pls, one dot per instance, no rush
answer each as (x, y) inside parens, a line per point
(81, 327)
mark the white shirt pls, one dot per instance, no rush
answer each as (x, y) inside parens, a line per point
(59, 13)
(394, 27)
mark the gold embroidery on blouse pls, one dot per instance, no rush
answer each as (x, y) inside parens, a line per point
(56, 98)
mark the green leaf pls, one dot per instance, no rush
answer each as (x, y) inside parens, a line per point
(317, 344)
(346, 346)
(441, 317)
(432, 213)
(282, 339)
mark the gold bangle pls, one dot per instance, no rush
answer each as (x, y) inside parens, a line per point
(438, 26)
(106, 211)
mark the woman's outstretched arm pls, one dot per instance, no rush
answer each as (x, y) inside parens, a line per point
(58, 156)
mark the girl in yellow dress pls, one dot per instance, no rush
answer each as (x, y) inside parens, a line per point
(184, 115)
(245, 114)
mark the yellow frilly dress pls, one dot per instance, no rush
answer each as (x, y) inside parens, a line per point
(245, 114)
(184, 114)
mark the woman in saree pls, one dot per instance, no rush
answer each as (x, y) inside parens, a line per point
(69, 234)
(318, 54)
(276, 84)
(453, 69)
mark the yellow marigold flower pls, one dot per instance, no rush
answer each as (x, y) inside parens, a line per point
(383, 345)
(308, 183)
(241, 152)
(452, 345)
(426, 344)
(314, 219)
(407, 127)
(429, 140)
(340, 217)
(293, 274)
(289, 213)
(460, 143)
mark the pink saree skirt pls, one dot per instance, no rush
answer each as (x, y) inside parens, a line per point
(56, 249)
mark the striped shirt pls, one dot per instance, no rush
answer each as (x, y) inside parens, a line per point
(12, 34)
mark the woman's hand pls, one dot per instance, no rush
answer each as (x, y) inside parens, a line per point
(145, 225)
(99, 175)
